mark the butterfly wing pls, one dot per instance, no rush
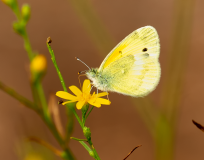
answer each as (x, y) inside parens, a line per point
(132, 67)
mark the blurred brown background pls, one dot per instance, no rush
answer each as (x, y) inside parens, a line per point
(116, 129)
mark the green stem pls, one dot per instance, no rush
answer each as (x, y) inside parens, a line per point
(65, 89)
(76, 115)
(35, 96)
(173, 83)
(62, 81)
(16, 10)
(38, 93)
(67, 153)
(17, 96)
(56, 67)
(27, 46)
(47, 145)
(77, 139)
(94, 150)
(42, 99)
(85, 146)
(70, 122)
(84, 110)
(164, 139)
(89, 112)
(30, 105)
(178, 54)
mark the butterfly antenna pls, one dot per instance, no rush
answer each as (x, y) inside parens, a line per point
(82, 62)
(107, 95)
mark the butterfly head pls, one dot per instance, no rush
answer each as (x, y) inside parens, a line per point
(92, 73)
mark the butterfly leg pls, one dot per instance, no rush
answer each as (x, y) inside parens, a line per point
(91, 88)
(97, 92)
(107, 95)
(79, 78)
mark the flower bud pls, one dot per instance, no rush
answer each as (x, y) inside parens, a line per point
(19, 27)
(91, 153)
(38, 64)
(11, 3)
(87, 133)
(25, 11)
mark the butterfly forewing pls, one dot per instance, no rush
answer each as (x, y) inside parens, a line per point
(142, 40)
(132, 67)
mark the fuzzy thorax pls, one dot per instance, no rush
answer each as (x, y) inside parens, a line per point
(97, 80)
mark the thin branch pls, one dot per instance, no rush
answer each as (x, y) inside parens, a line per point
(77, 139)
(17, 96)
(131, 152)
(47, 145)
(198, 125)
(61, 78)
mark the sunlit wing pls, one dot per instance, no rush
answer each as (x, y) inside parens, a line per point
(142, 40)
(134, 78)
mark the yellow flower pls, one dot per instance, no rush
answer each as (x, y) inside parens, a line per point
(84, 96)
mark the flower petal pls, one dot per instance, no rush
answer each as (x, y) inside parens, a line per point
(94, 103)
(75, 90)
(86, 86)
(66, 95)
(80, 104)
(102, 94)
(67, 102)
(103, 101)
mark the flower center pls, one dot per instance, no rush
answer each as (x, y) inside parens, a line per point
(84, 97)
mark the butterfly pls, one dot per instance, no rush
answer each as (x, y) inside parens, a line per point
(132, 68)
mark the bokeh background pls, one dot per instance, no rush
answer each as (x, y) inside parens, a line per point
(118, 128)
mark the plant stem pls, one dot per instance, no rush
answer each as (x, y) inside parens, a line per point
(89, 112)
(178, 54)
(37, 90)
(27, 46)
(17, 96)
(173, 84)
(65, 89)
(77, 117)
(164, 139)
(42, 98)
(77, 139)
(67, 153)
(47, 145)
(62, 81)
(94, 150)
(56, 67)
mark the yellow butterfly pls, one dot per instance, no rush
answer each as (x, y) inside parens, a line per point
(132, 67)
